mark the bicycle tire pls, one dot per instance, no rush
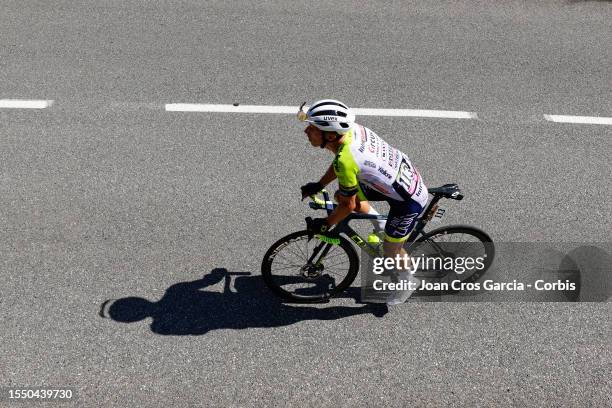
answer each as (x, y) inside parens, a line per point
(326, 292)
(481, 236)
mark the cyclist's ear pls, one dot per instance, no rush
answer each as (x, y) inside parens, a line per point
(330, 136)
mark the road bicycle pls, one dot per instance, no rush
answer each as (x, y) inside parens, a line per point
(302, 267)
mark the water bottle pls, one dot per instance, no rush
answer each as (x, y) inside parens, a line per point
(373, 238)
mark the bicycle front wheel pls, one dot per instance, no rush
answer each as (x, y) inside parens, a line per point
(300, 269)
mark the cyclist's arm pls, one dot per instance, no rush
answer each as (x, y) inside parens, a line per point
(329, 176)
(346, 205)
(345, 168)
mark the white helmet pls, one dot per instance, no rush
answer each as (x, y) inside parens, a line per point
(331, 116)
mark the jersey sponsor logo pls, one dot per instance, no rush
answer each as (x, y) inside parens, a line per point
(364, 138)
(384, 172)
(402, 225)
(419, 189)
(391, 160)
(385, 148)
(394, 159)
(372, 146)
(407, 177)
(369, 164)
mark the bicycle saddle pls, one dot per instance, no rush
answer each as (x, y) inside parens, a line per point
(448, 191)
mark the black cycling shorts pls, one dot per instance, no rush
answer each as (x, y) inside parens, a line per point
(402, 214)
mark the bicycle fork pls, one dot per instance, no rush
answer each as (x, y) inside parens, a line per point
(325, 250)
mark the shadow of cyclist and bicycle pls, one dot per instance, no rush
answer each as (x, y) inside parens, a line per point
(187, 308)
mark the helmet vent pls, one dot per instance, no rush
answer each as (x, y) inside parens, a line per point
(328, 103)
(329, 113)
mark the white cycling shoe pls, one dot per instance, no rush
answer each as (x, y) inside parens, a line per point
(398, 297)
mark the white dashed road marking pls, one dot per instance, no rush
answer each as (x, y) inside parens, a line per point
(24, 104)
(422, 113)
(236, 108)
(195, 107)
(591, 120)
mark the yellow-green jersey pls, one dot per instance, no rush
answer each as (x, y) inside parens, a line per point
(365, 161)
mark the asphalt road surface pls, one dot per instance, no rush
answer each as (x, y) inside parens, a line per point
(112, 206)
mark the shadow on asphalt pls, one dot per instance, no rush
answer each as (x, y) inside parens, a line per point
(187, 308)
(588, 266)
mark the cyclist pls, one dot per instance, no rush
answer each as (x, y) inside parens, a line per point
(367, 169)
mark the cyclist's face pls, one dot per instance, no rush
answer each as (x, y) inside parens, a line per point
(315, 136)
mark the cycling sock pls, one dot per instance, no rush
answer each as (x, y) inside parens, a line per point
(379, 225)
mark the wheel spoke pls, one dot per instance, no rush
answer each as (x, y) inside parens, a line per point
(301, 252)
(285, 258)
(336, 264)
(285, 271)
(286, 264)
(458, 241)
(293, 251)
(288, 267)
(327, 257)
(334, 273)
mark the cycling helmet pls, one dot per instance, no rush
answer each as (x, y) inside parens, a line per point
(330, 115)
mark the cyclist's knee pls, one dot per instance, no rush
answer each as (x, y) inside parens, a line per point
(362, 206)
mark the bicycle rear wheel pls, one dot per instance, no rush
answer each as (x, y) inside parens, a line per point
(445, 252)
(290, 270)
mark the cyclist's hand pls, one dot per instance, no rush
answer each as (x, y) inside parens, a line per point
(311, 189)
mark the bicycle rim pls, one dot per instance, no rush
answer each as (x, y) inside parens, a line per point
(452, 245)
(288, 273)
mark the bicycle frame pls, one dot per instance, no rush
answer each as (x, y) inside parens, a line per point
(343, 226)
(332, 261)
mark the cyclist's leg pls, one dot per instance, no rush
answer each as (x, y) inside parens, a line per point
(401, 221)
(363, 206)
(364, 195)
